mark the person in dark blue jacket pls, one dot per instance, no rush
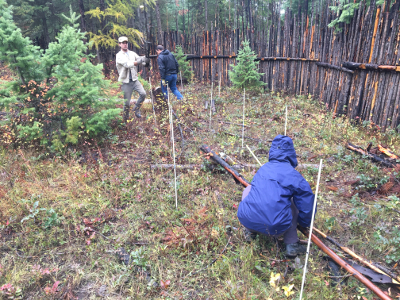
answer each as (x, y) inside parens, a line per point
(278, 198)
(169, 69)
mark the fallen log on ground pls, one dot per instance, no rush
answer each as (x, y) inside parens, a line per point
(345, 265)
(234, 124)
(255, 166)
(387, 152)
(394, 280)
(178, 167)
(372, 156)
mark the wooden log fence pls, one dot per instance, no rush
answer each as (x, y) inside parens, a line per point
(354, 70)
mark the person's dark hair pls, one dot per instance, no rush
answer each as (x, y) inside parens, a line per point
(159, 47)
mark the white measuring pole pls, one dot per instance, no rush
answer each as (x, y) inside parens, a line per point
(219, 89)
(254, 156)
(181, 80)
(173, 147)
(311, 228)
(244, 97)
(212, 86)
(285, 119)
(152, 102)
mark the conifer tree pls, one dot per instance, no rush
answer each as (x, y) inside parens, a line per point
(16, 51)
(55, 101)
(115, 17)
(184, 65)
(245, 73)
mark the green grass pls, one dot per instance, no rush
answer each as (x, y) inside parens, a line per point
(49, 231)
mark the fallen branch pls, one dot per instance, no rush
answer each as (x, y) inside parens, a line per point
(246, 137)
(214, 156)
(239, 167)
(241, 125)
(373, 157)
(395, 279)
(178, 167)
(345, 265)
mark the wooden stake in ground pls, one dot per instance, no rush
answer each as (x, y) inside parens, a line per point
(254, 156)
(173, 146)
(244, 97)
(285, 119)
(212, 86)
(311, 228)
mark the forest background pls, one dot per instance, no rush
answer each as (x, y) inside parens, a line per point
(104, 21)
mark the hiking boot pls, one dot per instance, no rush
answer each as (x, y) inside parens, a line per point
(137, 114)
(295, 249)
(136, 110)
(249, 236)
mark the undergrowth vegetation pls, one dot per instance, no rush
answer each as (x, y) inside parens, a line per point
(64, 220)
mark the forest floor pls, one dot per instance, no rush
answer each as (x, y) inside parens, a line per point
(64, 220)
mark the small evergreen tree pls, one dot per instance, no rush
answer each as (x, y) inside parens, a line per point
(184, 65)
(245, 73)
(59, 96)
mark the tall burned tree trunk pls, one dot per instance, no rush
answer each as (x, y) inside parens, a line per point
(82, 11)
(159, 33)
(250, 22)
(183, 15)
(45, 35)
(206, 13)
(102, 8)
(146, 22)
(236, 15)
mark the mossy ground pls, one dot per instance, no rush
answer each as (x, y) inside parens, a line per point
(63, 218)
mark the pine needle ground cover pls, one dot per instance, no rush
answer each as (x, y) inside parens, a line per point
(64, 220)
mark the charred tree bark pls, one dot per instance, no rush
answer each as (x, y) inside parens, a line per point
(82, 12)
(206, 14)
(45, 35)
(159, 33)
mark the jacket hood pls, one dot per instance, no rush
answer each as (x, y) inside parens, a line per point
(282, 149)
(165, 52)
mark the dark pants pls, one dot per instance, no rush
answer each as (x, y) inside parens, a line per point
(171, 82)
(290, 235)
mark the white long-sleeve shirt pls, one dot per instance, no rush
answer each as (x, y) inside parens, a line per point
(125, 63)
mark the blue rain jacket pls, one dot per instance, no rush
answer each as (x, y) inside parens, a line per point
(266, 209)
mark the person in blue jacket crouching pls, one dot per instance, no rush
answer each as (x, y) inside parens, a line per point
(278, 198)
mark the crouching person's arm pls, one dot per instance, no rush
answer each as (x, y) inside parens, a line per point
(304, 201)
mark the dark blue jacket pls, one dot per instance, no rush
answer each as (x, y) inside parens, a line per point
(266, 209)
(167, 64)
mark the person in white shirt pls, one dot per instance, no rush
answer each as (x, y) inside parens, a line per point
(127, 62)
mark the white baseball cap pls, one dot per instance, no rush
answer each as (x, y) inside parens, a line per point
(122, 39)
